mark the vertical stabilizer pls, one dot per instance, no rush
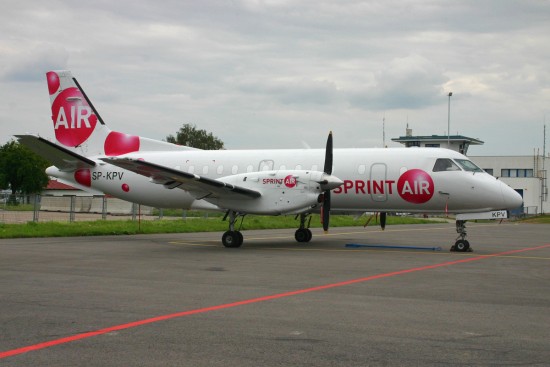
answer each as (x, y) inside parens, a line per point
(76, 123)
(79, 127)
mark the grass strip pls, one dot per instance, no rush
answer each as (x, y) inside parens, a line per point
(116, 227)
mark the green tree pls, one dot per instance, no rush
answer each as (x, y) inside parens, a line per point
(190, 136)
(21, 171)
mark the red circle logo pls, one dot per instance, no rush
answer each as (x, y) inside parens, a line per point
(118, 143)
(415, 186)
(290, 181)
(53, 82)
(83, 177)
(73, 119)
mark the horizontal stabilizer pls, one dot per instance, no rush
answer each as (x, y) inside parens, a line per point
(200, 187)
(63, 158)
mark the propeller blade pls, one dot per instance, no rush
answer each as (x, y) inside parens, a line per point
(329, 184)
(383, 220)
(328, 155)
(326, 210)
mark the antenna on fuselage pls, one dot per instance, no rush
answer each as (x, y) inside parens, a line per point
(384, 131)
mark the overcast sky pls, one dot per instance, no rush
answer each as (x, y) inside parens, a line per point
(282, 74)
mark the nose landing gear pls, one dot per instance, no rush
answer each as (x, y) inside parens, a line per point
(461, 244)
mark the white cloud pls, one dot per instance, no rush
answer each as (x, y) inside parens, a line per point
(410, 82)
(279, 72)
(29, 64)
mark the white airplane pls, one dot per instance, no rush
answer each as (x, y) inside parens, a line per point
(90, 156)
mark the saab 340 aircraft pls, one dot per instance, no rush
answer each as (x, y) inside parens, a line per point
(90, 156)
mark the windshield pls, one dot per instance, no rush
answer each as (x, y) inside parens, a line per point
(468, 165)
(445, 164)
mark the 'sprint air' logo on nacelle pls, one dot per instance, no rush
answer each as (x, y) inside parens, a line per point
(415, 186)
(290, 181)
(73, 119)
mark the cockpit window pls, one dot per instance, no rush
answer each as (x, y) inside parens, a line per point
(445, 164)
(468, 165)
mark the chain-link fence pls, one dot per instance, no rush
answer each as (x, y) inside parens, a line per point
(70, 208)
(38, 208)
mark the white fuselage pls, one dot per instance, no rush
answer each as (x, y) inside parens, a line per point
(394, 179)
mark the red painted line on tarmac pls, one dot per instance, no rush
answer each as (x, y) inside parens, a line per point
(51, 343)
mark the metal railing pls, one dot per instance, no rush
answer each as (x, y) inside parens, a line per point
(38, 208)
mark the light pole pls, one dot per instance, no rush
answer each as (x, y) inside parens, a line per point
(449, 122)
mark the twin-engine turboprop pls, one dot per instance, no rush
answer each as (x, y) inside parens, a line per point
(267, 182)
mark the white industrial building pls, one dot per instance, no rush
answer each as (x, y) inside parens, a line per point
(525, 174)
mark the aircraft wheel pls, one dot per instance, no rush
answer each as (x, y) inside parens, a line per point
(309, 235)
(300, 235)
(241, 238)
(461, 246)
(232, 239)
(303, 235)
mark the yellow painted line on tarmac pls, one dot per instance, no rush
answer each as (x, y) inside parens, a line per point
(336, 234)
(215, 243)
(195, 244)
(442, 252)
(176, 243)
(424, 228)
(423, 252)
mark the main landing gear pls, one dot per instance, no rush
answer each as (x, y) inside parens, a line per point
(461, 244)
(303, 233)
(232, 238)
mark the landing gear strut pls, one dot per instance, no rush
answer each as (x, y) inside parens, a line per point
(303, 233)
(461, 244)
(232, 238)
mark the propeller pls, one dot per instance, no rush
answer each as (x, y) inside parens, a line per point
(325, 209)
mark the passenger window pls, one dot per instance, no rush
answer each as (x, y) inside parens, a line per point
(191, 169)
(445, 164)
(219, 170)
(205, 170)
(249, 168)
(234, 170)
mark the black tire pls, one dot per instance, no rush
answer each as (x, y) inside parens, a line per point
(232, 239)
(301, 235)
(309, 235)
(462, 246)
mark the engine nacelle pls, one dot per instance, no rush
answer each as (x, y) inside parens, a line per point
(283, 192)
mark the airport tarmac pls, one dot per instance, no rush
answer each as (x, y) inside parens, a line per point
(185, 300)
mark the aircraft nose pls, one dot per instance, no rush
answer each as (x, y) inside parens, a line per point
(512, 199)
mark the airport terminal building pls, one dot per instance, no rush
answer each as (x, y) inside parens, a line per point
(528, 175)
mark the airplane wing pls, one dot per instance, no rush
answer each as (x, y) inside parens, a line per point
(64, 159)
(200, 187)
